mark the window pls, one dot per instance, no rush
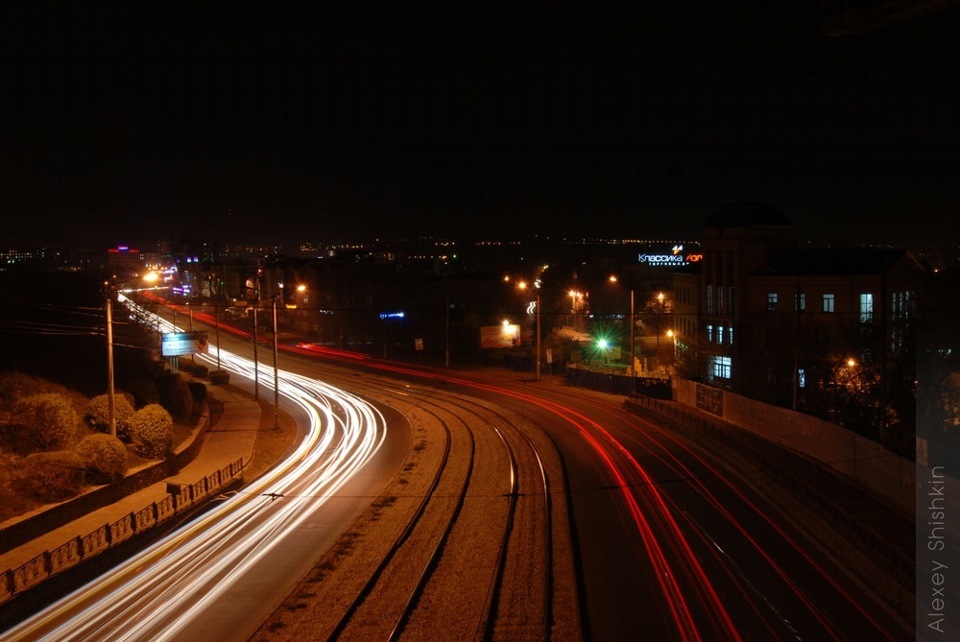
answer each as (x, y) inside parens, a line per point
(772, 298)
(709, 299)
(828, 303)
(720, 334)
(730, 291)
(721, 367)
(866, 307)
(709, 333)
(730, 335)
(800, 302)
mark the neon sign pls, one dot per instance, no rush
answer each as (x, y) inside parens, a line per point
(675, 258)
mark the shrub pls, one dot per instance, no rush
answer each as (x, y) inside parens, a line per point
(52, 476)
(144, 392)
(194, 368)
(198, 391)
(151, 431)
(175, 397)
(47, 421)
(104, 456)
(98, 413)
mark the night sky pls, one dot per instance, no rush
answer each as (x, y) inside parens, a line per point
(326, 121)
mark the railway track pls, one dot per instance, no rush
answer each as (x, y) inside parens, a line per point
(464, 541)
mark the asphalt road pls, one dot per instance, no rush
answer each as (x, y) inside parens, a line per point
(675, 537)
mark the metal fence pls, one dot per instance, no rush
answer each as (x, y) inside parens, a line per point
(78, 549)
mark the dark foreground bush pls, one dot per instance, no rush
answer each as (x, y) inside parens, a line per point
(51, 477)
(194, 368)
(198, 391)
(175, 396)
(104, 457)
(46, 421)
(144, 392)
(151, 431)
(98, 413)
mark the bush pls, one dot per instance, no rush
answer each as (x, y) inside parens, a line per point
(151, 431)
(47, 421)
(98, 413)
(52, 476)
(198, 391)
(144, 392)
(175, 397)
(194, 368)
(104, 456)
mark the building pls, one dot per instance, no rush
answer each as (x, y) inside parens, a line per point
(827, 331)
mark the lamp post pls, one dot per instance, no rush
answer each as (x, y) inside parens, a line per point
(614, 279)
(111, 290)
(538, 335)
(523, 286)
(256, 361)
(276, 374)
(633, 357)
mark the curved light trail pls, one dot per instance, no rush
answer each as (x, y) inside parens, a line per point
(188, 570)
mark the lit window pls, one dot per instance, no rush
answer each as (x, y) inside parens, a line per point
(721, 367)
(730, 335)
(866, 307)
(800, 302)
(828, 303)
(772, 298)
(720, 334)
(709, 333)
(801, 378)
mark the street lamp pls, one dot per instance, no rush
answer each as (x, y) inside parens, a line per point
(614, 279)
(523, 286)
(276, 371)
(300, 297)
(111, 289)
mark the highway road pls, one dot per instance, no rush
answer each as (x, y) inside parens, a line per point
(653, 532)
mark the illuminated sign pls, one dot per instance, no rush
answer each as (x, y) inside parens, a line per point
(177, 344)
(674, 257)
(391, 315)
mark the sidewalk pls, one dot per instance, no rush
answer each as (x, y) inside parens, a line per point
(230, 438)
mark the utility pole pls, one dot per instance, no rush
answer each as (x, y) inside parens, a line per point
(276, 371)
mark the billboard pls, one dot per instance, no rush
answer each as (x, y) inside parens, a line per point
(506, 335)
(177, 344)
(675, 256)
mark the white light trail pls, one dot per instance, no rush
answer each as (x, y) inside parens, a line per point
(158, 593)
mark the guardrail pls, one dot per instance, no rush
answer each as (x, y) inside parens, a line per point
(78, 549)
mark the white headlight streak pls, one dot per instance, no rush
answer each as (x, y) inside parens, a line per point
(161, 591)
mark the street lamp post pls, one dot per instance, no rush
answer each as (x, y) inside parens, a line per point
(256, 361)
(523, 286)
(276, 372)
(633, 357)
(111, 398)
(538, 335)
(111, 290)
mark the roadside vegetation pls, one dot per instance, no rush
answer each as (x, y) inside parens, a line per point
(55, 442)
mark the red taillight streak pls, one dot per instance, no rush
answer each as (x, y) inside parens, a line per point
(780, 572)
(677, 602)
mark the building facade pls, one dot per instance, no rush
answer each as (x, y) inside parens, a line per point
(828, 331)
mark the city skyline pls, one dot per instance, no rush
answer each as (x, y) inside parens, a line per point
(334, 123)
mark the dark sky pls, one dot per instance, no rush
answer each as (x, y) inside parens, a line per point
(128, 122)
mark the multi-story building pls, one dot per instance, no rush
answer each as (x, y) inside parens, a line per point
(822, 330)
